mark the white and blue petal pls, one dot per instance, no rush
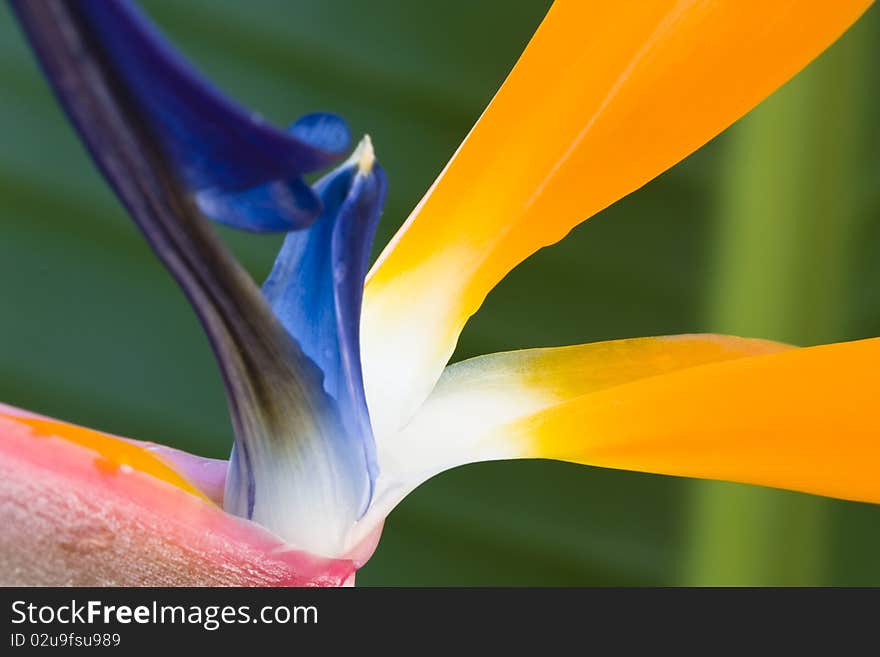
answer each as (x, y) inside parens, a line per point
(319, 482)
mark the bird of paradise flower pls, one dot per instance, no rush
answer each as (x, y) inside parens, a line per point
(327, 445)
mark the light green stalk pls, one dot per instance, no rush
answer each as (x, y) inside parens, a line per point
(787, 224)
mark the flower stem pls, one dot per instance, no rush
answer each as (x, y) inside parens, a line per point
(787, 223)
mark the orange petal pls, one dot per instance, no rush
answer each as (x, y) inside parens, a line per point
(82, 508)
(606, 96)
(467, 416)
(804, 419)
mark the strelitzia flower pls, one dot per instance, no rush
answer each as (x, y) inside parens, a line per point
(339, 391)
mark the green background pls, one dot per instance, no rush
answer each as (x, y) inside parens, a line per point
(771, 230)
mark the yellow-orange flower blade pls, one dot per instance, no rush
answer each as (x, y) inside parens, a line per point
(477, 409)
(804, 419)
(606, 96)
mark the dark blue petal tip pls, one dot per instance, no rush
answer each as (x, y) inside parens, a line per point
(217, 147)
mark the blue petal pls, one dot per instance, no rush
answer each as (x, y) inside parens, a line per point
(323, 131)
(316, 286)
(277, 207)
(281, 205)
(216, 146)
(352, 238)
(311, 479)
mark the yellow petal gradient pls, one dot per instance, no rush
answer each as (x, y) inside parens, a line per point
(606, 96)
(804, 419)
(467, 416)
